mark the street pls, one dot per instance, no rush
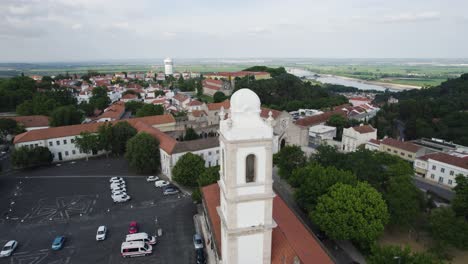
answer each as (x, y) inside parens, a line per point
(439, 190)
(73, 199)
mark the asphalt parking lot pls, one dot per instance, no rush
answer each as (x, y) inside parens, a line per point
(74, 199)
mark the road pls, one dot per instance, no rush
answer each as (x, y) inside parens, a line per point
(343, 252)
(443, 192)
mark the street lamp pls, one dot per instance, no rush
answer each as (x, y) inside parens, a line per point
(399, 259)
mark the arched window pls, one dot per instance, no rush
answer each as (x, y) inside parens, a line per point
(250, 168)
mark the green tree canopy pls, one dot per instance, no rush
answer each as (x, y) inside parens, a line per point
(65, 116)
(396, 254)
(150, 110)
(133, 106)
(87, 142)
(99, 99)
(447, 228)
(460, 201)
(121, 133)
(209, 176)
(105, 137)
(219, 97)
(312, 181)
(351, 212)
(188, 169)
(190, 134)
(143, 153)
(9, 127)
(288, 159)
(25, 157)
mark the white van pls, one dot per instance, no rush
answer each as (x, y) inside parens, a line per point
(141, 237)
(135, 249)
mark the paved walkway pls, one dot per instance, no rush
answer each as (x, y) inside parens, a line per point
(343, 251)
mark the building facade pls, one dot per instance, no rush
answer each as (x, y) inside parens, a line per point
(354, 137)
(442, 168)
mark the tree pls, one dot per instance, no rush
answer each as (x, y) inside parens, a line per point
(143, 153)
(219, 97)
(351, 212)
(9, 127)
(65, 116)
(40, 104)
(99, 99)
(314, 180)
(86, 108)
(87, 143)
(121, 133)
(447, 228)
(188, 169)
(288, 159)
(339, 122)
(389, 254)
(25, 157)
(209, 176)
(150, 110)
(133, 106)
(190, 134)
(105, 137)
(460, 201)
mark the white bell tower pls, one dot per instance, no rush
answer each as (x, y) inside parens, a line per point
(245, 183)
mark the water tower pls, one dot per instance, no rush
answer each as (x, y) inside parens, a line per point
(168, 66)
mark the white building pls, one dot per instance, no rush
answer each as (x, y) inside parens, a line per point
(321, 134)
(442, 168)
(247, 222)
(168, 66)
(353, 137)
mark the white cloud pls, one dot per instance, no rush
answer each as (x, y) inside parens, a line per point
(411, 17)
(77, 26)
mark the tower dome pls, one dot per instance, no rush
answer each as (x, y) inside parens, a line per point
(245, 101)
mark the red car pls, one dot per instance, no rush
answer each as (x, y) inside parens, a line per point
(133, 227)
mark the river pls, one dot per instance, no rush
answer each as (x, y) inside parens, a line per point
(333, 79)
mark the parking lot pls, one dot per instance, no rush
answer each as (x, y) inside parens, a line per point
(74, 199)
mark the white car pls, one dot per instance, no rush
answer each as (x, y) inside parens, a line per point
(120, 198)
(118, 193)
(161, 183)
(101, 233)
(152, 178)
(119, 189)
(8, 249)
(117, 185)
(116, 179)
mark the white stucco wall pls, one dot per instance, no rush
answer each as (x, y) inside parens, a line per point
(250, 249)
(443, 173)
(256, 212)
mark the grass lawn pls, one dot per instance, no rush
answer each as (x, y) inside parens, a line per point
(418, 82)
(418, 243)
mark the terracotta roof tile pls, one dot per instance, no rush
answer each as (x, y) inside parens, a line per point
(217, 106)
(166, 142)
(265, 111)
(290, 239)
(375, 141)
(31, 121)
(364, 129)
(447, 158)
(194, 103)
(129, 96)
(400, 144)
(115, 111)
(317, 119)
(180, 97)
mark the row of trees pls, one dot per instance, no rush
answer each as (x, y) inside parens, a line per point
(140, 109)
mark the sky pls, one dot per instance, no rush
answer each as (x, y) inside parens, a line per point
(83, 30)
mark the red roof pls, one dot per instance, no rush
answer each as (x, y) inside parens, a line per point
(364, 129)
(166, 142)
(31, 121)
(194, 103)
(115, 111)
(212, 84)
(217, 106)
(129, 96)
(449, 159)
(198, 113)
(265, 111)
(375, 141)
(134, 86)
(181, 97)
(400, 144)
(318, 119)
(290, 239)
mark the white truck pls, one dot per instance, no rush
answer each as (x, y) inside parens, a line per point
(144, 237)
(135, 249)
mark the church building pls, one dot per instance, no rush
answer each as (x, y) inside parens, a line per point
(247, 221)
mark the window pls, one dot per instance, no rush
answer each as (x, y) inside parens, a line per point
(389, 149)
(450, 182)
(81, 151)
(396, 152)
(433, 167)
(72, 140)
(432, 176)
(31, 145)
(50, 143)
(209, 153)
(410, 156)
(217, 152)
(36, 145)
(403, 154)
(64, 141)
(451, 173)
(209, 163)
(442, 170)
(66, 153)
(58, 143)
(441, 179)
(250, 168)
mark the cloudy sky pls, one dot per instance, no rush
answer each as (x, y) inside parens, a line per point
(79, 30)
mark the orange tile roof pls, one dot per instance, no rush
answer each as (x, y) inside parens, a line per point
(317, 119)
(166, 142)
(194, 103)
(290, 239)
(217, 106)
(446, 158)
(74, 130)
(375, 141)
(31, 121)
(129, 96)
(198, 113)
(364, 129)
(180, 97)
(115, 111)
(400, 144)
(265, 111)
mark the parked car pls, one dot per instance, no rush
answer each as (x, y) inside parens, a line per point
(101, 233)
(118, 193)
(170, 190)
(120, 198)
(152, 178)
(133, 227)
(117, 185)
(200, 256)
(58, 242)
(161, 183)
(8, 249)
(197, 241)
(119, 189)
(116, 179)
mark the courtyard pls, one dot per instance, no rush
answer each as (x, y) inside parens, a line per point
(73, 199)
